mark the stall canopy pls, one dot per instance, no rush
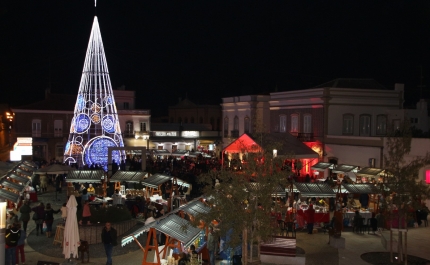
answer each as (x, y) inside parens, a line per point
(173, 226)
(180, 152)
(345, 169)
(23, 180)
(243, 144)
(321, 166)
(12, 185)
(129, 176)
(157, 179)
(370, 172)
(23, 173)
(195, 207)
(314, 189)
(8, 195)
(85, 176)
(360, 188)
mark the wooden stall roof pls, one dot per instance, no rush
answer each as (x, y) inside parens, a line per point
(314, 189)
(23, 172)
(23, 180)
(157, 179)
(360, 188)
(129, 176)
(8, 195)
(370, 172)
(180, 152)
(343, 168)
(85, 176)
(321, 166)
(12, 185)
(195, 207)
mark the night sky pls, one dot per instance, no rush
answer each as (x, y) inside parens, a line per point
(207, 50)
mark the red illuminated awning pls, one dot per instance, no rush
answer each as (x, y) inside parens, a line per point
(243, 144)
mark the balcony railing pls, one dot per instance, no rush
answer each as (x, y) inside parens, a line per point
(305, 137)
(235, 133)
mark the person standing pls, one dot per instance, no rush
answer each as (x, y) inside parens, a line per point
(310, 214)
(25, 211)
(43, 183)
(212, 245)
(12, 236)
(117, 199)
(38, 216)
(109, 239)
(86, 214)
(49, 218)
(20, 247)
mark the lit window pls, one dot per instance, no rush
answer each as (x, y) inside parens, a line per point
(143, 126)
(59, 150)
(129, 128)
(282, 123)
(294, 123)
(364, 125)
(348, 124)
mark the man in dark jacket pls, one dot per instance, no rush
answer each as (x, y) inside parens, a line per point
(310, 214)
(109, 238)
(12, 236)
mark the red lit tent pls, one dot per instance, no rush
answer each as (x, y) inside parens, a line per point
(243, 144)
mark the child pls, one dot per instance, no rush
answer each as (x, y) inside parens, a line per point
(64, 212)
(86, 214)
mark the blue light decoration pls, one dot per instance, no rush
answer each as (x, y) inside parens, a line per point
(95, 125)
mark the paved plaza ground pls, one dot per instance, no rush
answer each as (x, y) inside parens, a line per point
(317, 251)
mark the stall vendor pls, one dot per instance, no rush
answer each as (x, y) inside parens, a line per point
(91, 189)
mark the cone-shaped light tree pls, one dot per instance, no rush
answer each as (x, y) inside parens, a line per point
(95, 125)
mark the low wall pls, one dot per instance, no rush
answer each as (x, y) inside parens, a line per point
(93, 233)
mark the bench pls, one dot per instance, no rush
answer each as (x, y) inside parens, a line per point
(279, 246)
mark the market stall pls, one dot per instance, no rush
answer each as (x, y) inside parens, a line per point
(180, 234)
(84, 176)
(313, 190)
(370, 175)
(321, 170)
(15, 182)
(129, 176)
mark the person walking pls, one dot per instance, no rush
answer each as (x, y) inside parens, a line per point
(310, 214)
(212, 245)
(49, 218)
(25, 211)
(20, 247)
(12, 236)
(109, 239)
(38, 216)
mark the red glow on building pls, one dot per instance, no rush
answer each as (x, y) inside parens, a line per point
(428, 176)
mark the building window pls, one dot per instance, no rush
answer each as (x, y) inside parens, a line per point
(36, 128)
(246, 125)
(129, 128)
(58, 128)
(364, 125)
(282, 123)
(59, 150)
(218, 124)
(225, 127)
(143, 126)
(294, 123)
(307, 123)
(348, 124)
(180, 120)
(396, 125)
(381, 125)
(212, 120)
(185, 120)
(201, 120)
(236, 123)
(126, 105)
(192, 120)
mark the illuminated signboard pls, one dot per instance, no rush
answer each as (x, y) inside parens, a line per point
(165, 133)
(190, 134)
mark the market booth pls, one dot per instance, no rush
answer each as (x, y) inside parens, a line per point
(180, 234)
(85, 176)
(322, 170)
(313, 190)
(129, 176)
(153, 190)
(14, 184)
(370, 175)
(359, 188)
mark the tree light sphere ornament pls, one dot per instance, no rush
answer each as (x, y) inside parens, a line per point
(95, 125)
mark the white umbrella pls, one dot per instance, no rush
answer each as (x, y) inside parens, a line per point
(71, 240)
(54, 169)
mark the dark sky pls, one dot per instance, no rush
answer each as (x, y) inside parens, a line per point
(212, 49)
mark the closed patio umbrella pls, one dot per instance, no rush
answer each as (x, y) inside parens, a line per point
(71, 240)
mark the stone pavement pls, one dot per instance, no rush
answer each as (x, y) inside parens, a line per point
(318, 252)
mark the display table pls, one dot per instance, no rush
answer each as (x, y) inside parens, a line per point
(350, 216)
(319, 217)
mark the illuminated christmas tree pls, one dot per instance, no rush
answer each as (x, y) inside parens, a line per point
(95, 125)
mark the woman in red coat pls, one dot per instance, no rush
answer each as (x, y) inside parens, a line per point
(310, 218)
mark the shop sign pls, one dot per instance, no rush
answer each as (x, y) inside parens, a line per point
(165, 134)
(190, 134)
